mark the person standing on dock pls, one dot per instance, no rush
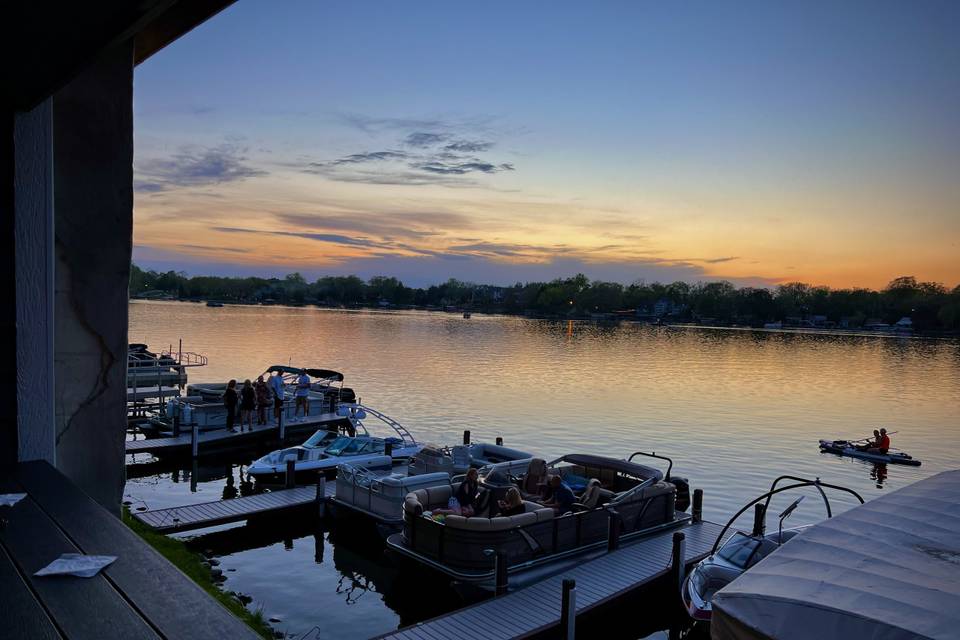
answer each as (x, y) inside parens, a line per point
(263, 400)
(276, 386)
(230, 403)
(248, 404)
(303, 394)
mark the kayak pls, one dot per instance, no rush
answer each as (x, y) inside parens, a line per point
(845, 448)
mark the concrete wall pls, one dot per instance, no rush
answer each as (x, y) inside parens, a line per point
(33, 213)
(93, 223)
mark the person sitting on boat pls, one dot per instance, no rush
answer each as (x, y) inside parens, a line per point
(512, 503)
(561, 496)
(303, 394)
(464, 500)
(884, 445)
(276, 386)
(870, 443)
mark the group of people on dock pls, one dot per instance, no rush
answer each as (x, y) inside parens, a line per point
(256, 398)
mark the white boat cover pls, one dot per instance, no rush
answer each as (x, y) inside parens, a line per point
(887, 569)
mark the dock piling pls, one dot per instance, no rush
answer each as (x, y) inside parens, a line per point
(466, 436)
(282, 426)
(613, 530)
(176, 421)
(321, 496)
(678, 560)
(697, 511)
(568, 610)
(499, 441)
(500, 571)
(195, 440)
(759, 519)
(388, 449)
(291, 474)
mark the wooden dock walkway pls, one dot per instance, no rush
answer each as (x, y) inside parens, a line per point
(536, 609)
(209, 514)
(218, 439)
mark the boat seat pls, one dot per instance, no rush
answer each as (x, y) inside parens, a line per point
(590, 497)
(534, 478)
(499, 523)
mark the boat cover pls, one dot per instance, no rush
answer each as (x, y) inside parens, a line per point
(629, 468)
(886, 569)
(323, 374)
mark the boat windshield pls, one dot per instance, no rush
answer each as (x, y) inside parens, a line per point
(338, 445)
(357, 446)
(743, 551)
(319, 439)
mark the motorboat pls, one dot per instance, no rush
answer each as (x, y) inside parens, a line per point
(741, 551)
(202, 405)
(378, 494)
(539, 542)
(323, 452)
(847, 448)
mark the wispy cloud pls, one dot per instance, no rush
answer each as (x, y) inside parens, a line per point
(424, 139)
(426, 152)
(719, 260)
(461, 168)
(194, 166)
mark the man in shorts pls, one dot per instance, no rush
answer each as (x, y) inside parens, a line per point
(276, 386)
(303, 394)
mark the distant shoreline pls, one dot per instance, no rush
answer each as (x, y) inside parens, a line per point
(606, 319)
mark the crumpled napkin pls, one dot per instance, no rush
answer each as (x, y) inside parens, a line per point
(10, 499)
(76, 564)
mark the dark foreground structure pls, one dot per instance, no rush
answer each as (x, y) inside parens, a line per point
(66, 193)
(886, 569)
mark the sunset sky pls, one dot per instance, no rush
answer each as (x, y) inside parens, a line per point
(510, 141)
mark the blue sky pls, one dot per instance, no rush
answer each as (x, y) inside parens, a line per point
(758, 142)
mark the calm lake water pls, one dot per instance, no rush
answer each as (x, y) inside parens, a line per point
(734, 409)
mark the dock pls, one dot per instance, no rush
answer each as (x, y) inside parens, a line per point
(209, 514)
(218, 440)
(536, 609)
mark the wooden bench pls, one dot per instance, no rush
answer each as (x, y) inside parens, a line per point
(140, 595)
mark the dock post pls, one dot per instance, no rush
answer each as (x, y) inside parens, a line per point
(322, 496)
(195, 440)
(500, 571)
(697, 511)
(176, 421)
(568, 609)
(282, 425)
(678, 560)
(759, 519)
(290, 475)
(613, 530)
(388, 449)
(499, 441)
(466, 436)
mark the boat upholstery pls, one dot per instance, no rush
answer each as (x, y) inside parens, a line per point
(535, 476)
(533, 513)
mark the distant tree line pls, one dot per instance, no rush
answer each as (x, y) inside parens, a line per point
(929, 305)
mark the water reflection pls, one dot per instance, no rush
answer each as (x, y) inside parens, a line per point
(733, 408)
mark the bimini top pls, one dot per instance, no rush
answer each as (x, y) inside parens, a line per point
(323, 374)
(886, 569)
(632, 469)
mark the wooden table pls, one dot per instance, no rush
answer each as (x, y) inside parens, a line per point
(140, 595)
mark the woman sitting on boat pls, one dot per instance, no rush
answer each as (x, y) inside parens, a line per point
(883, 444)
(512, 503)
(463, 503)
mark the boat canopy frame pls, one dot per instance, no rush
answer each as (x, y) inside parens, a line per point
(327, 375)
